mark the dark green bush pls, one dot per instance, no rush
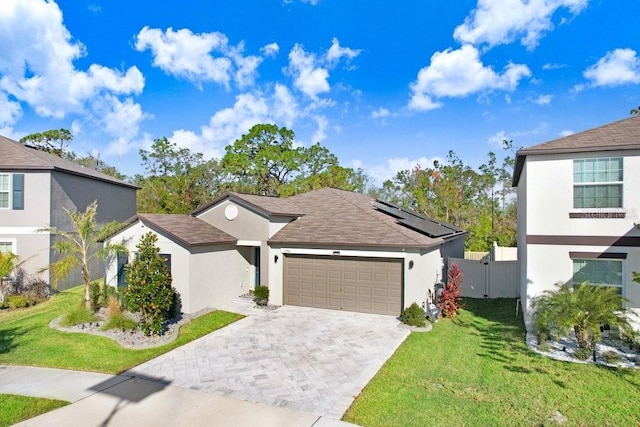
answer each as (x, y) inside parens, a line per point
(582, 353)
(107, 292)
(261, 295)
(149, 289)
(17, 301)
(414, 316)
(94, 295)
(611, 357)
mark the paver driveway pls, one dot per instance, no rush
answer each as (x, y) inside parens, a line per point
(307, 359)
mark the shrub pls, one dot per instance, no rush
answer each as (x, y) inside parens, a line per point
(77, 315)
(450, 298)
(119, 320)
(113, 305)
(149, 290)
(261, 295)
(94, 295)
(413, 316)
(17, 301)
(611, 357)
(108, 292)
(582, 353)
(35, 290)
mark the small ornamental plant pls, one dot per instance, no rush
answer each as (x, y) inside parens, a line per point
(450, 298)
(413, 316)
(149, 289)
(261, 295)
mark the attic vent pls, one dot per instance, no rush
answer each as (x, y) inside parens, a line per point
(231, 212)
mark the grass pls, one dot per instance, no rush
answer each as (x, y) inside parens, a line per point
(26, 339)
(476, 370)
(14, 409)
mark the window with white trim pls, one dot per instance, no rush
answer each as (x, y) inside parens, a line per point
(6, 247)
(597, 183)
(4, 190)
(599, 272)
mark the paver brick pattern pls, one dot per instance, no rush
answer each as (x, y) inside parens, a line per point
(306, 359)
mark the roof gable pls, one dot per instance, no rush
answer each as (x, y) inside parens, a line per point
(264, 205)
(16, 156)
(184, 229)
(620, 135)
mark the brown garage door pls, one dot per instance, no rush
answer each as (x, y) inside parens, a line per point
(368, 285)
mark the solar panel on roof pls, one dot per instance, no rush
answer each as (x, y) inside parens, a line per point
(420, 223)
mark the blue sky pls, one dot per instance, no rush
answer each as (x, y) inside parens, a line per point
(384, 85)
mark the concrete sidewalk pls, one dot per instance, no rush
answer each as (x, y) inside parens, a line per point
(107, 400)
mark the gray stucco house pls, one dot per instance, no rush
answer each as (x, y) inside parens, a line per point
(36, 187)
(327, 248)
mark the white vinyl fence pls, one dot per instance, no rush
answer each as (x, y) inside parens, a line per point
(489, 279)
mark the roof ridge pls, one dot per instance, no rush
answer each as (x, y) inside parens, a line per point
(25, 149)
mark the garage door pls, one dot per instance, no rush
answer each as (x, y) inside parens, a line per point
(367, 285)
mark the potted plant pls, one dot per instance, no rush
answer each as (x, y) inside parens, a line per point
(261, 295)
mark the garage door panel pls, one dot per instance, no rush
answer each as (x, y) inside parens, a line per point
(369, 285)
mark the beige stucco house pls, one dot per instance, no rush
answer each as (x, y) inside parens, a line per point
(579, 212)
(327, 248)
(35, 189)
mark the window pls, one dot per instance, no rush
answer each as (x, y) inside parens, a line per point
(12, 184)
(601, 272)
(4, 190)
(597, 183)
(6, 247)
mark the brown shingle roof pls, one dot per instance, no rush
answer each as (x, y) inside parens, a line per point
(621, 135)
(16, 156)
(343, 218)
(267, 205)
(188, 230)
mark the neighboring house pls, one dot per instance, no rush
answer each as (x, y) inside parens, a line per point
(327, 248)
(579, 211)
(36, 187)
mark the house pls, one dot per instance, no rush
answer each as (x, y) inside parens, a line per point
(579, 211)
(327, 248)
(36, 187)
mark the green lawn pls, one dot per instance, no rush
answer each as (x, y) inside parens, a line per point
(14, 409)
(476, 370)
(26, 339)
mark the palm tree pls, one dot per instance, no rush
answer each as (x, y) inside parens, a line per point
(583, 308)
(82, 245)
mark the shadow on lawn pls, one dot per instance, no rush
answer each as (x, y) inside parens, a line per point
(502, 333)
(8, 337)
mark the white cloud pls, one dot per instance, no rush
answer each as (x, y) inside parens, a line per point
(320, 134)
(458, 73)
(37, 54)
(192, 56)
(392, 166)
(567, 133)
(309, 77)
(551, 66)
(270, 49)
(618, 67)
(336, 52)
(10, 111)
(121, 120)
(380, 113)
(497, 139)
(495, 22)
(543, 99)
(310, 71)
(249, 109)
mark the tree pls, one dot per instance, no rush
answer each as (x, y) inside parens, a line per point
(149, 289)
(78, 247)
(266, 157)
(583, 308)
(52, 141)
(96, 163)
(177, 179)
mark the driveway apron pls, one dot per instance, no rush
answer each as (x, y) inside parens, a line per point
(305, 359)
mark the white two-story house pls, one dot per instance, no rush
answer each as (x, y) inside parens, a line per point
(579, 212)
(36, 188)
